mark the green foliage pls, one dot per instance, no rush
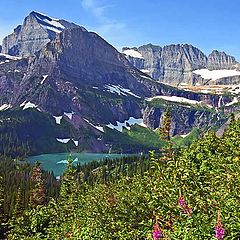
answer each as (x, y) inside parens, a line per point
(187, 140)
(15, 188)
(137, 139)
(28, 132)
(206, 175)
(38, 189)
(164, 130)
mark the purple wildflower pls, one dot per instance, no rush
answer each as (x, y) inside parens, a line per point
(182, 202)
(219, 229)
(157, 234)
(183, 205)
(219, 232)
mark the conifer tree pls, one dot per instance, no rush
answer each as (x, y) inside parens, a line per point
(166, 126)
(38, 192)
(1, 197)
(19, 206)
(165, 135)
(2, 215)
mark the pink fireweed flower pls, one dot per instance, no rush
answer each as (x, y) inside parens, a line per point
(219, 229)
(219, 232)
(157, 234)
(182, 202)
(183, 205)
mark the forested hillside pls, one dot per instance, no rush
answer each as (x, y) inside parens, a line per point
(188, 194)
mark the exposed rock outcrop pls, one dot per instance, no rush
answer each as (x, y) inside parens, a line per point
(174, 64)
(37, 30)
(221, 60)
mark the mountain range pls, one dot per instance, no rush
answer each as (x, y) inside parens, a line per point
(60, 69)
(184, 64)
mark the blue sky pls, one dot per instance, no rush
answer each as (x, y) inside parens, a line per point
(206, 24)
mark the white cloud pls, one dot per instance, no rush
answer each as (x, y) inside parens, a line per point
(97, 10)
(111, 29)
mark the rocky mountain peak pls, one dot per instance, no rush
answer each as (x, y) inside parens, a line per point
(169, 63)
(77, 52)
(36, 31)
(221, 60)
(175, 63)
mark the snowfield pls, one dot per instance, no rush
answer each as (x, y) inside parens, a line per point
(174, 99)
(133, 53)
(216, 74)
(26, 105)
(127, 123)
(63, 140)
(69, 115)
(44, 78)
(7, 58)
(148, 78)
(99, 128)
(5, 107)
(235, 89)
(76, 143)
(49, 23)
(58, 119)
(235, 100)
(145, 71)
(117, 89)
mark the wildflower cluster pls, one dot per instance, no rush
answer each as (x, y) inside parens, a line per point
(219, 229)
(184, 206)
(157, 233)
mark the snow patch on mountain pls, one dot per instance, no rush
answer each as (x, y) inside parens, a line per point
(235, 100)
(120, 90)
(99, 128)
(235, 89)
(148, 78)
(76, 143)
(5, 58)
(49, 23)
(133, 53)
(145, 71)
(184, 135)
(69, 115)
(216, 74)
(26, 105)
(44, 78)
(58, 119)
(5, 107)
(174, 99)
(63, 140)
(127, 123)
(10, 57)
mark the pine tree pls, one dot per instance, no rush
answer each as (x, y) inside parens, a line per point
(19, 206)
(2, 215)
(38, 192)
(165, 135)
(166, 126)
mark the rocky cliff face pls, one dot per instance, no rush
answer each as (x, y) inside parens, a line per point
(190, 117)
(174, 64)
(37, 30)
(220, 60)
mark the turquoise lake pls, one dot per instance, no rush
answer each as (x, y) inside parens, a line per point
(58, 162)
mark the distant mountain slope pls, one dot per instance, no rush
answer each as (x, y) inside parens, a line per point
(175, 64)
